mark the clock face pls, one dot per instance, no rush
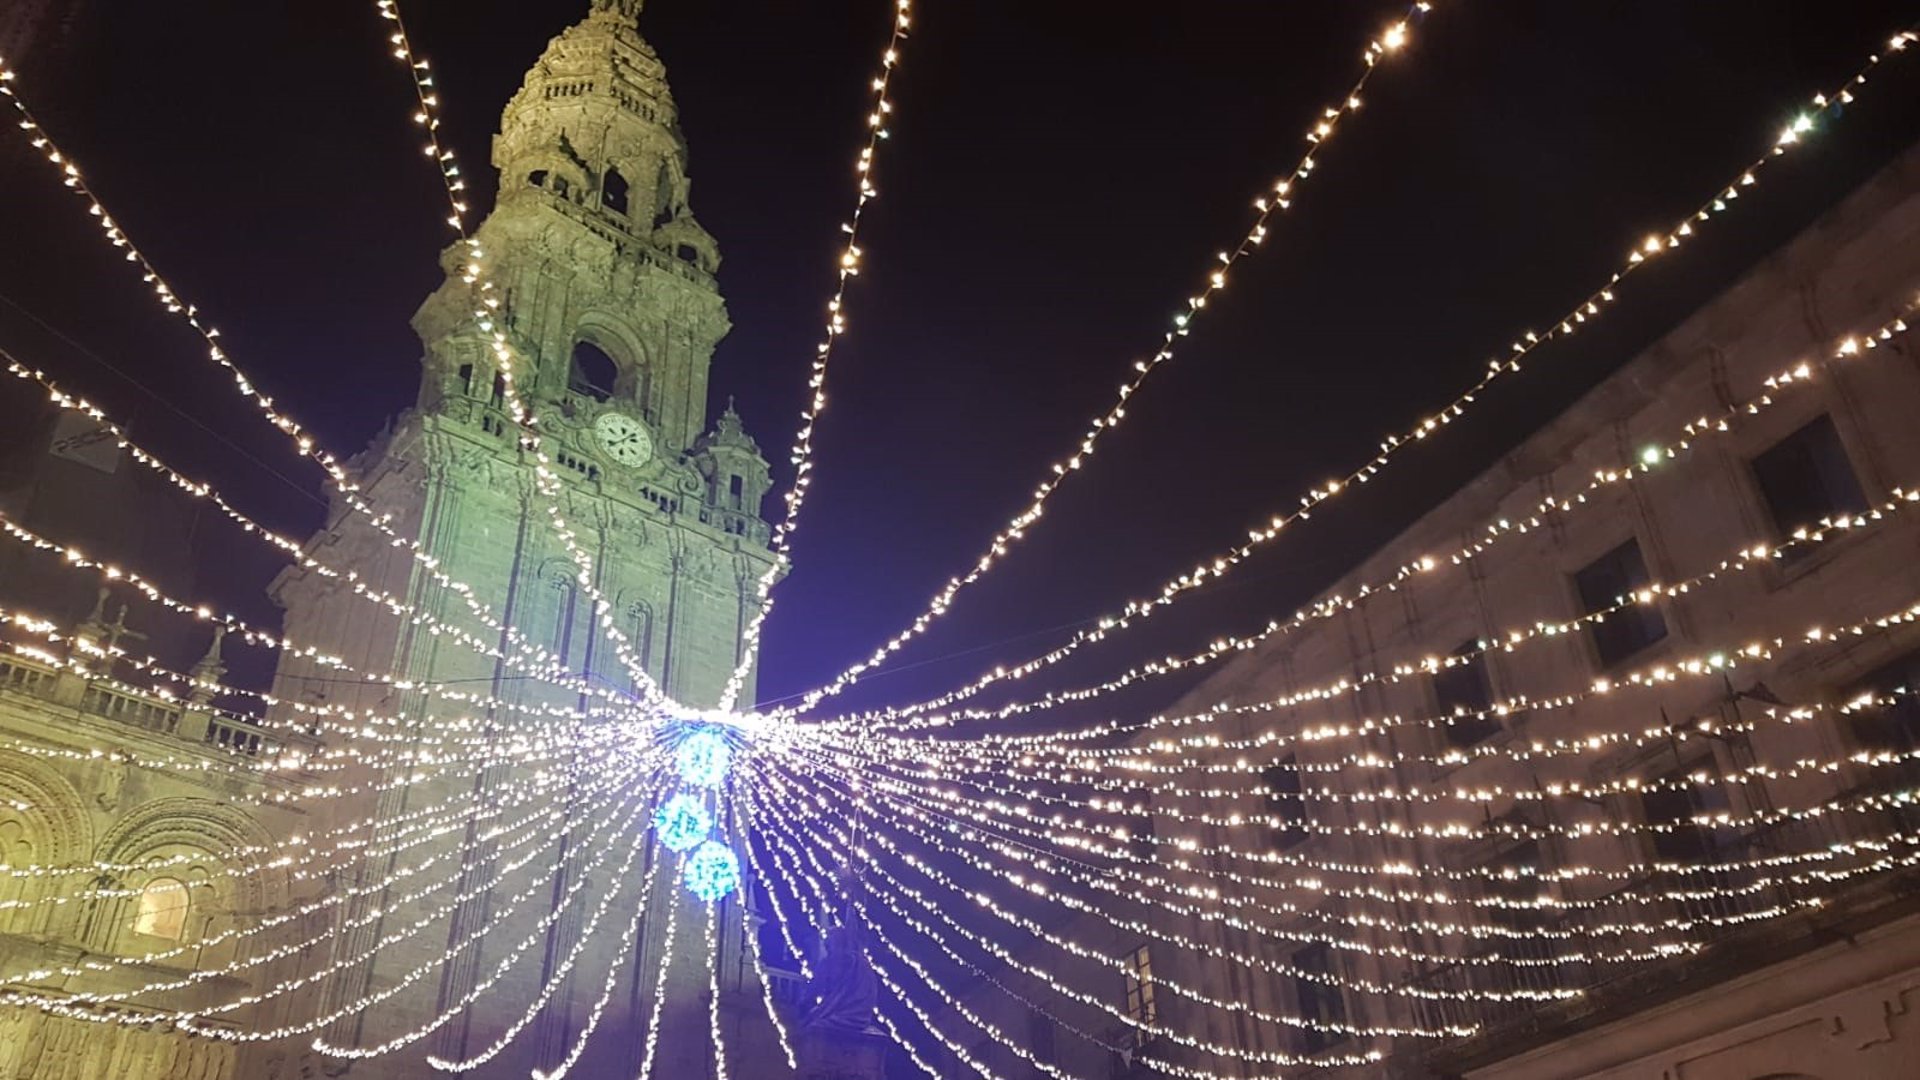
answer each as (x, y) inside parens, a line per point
(624, 439)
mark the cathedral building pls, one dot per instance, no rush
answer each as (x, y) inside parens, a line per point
(610, 306)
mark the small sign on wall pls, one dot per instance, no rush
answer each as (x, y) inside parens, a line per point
(85, 440)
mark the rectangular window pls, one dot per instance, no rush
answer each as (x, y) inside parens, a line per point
(1321, 1003)
(1607, 582)
(1676, 801)
(1892, 728)
(1806, 478)
(735, 491)
(1464, 693)
(1285, 801)
(1139, 1000)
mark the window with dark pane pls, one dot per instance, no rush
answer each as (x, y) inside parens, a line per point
(613, 192)
(1611, 580)
(1675, 801)
(1464, 694)
(1139, 995)
(1285, 801)
(1806, 478)
(1321, 1003)
(1892, 724)
(593, 372)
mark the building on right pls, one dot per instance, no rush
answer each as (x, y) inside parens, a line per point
(1607, 766)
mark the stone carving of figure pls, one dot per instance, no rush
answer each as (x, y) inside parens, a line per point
(844, 988)
(113, 776)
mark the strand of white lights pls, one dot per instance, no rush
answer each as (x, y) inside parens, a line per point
(287, 547)
(728, 839)
(270, 767)
(1648, 459)
(652, 1043)
(628, 941)
(1267, 207)
(498, 915)
(486, 319)
(817, 917)
(110, 574)
(1055, 865)
(341, 719)
(801, 456)
(1081, 836)
(1746, 559)
(303, 441)
(713, 988)
(1062, 866)
(74, 1002)
(794, 817)
(1003, 955)
(1822, 106)
(780, 917)
(310, 859)
(526, 827)
(554, 980)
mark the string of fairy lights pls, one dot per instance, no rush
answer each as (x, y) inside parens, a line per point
(492, 841)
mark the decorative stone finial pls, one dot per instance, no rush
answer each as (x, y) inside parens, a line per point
(210, 670)
(628, 10)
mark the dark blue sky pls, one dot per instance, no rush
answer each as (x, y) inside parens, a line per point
(1061, 175)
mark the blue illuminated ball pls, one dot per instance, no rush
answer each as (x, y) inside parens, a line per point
(682, 822)
(703, 757)
(711, 871)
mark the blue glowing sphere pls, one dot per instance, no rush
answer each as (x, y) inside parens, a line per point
(711, 871)
(703, 757)
(682, 822)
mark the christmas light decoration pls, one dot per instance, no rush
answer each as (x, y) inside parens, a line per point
(682, 822)
(703, 757)
(1266, 207)
(470, 828)
(711, 871)
(1134, 612)
(878, 129)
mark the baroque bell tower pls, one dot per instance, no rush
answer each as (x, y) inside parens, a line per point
(610, 305)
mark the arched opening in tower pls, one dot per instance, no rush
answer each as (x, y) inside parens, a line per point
(593, 372)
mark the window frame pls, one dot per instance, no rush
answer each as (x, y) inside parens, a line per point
(1593, 633)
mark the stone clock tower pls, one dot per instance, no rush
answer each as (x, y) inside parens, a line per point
(610, 303)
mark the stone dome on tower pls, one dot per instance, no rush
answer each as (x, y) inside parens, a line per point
(594, 125)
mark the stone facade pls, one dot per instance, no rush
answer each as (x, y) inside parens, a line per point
(1778, 990)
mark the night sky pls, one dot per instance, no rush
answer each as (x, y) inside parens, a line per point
(1060, 177)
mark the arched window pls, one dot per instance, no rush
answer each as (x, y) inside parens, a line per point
(689, 253)
(161, 909)
(613, 192)
(593, 372)
(537, 178)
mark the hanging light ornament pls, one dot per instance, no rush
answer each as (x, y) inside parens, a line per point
(703, 757)
(682, 822)
(712, 871)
